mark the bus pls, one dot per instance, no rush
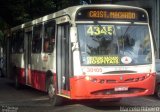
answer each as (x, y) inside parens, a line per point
(85, 52)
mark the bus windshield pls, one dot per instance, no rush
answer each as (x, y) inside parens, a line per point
(114, 44)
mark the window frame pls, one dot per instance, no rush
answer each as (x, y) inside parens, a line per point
(38, 49)
(17, 44)
(52, 34)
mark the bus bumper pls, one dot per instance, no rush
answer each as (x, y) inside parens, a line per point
(112, 86)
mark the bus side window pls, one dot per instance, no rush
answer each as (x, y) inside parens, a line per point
(17, 42)
(46, 45)
(49, 36)
(20, 42)
(13, 42)
(37, 39)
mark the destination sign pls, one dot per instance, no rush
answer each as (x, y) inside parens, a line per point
(111, 14)
(103, 60)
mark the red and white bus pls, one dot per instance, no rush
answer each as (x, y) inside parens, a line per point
(85, 52)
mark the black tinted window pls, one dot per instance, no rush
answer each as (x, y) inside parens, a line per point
(37, 39)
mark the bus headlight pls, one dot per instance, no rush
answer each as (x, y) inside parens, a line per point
(88, 78)
(147, 75)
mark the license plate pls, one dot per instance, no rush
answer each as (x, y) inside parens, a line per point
(122, 88)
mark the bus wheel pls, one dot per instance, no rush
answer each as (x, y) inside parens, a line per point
(158, 92)
(1, 73)
(54, 99)
(16, 83)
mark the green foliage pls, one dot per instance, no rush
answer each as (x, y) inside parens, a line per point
(39, 8)
(16, 12)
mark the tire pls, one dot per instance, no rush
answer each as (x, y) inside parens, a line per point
(158, 92)
(55, 100)
(16, 83)
(116, 100)
(1, 73)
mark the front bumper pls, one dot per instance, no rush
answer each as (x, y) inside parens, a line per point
(103, 87)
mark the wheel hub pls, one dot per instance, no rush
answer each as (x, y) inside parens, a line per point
(51, 91)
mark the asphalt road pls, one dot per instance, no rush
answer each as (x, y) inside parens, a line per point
(31, 100)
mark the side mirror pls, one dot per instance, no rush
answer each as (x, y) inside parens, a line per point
(73, 34)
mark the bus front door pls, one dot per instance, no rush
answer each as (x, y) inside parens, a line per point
(63, 60)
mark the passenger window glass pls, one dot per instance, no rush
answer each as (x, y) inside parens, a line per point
(49, 36)
(13, 42)
(20, 43)
(17, 42)
(37, 39)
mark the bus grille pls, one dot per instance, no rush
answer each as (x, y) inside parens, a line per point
(111, 91)
(128, 80)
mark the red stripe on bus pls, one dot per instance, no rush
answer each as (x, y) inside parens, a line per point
(38, 78)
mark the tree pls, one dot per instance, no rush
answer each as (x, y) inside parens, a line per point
(38, 8)
(3, 27)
